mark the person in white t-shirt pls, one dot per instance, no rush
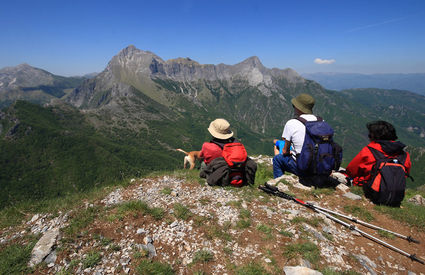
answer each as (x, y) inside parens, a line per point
(293, 136)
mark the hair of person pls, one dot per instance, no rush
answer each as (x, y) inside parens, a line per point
(381, 130)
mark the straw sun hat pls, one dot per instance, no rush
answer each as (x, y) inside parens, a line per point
(220, 128)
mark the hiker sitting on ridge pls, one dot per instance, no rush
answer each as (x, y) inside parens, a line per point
(225, 159)
(381, 167)
(302, 160)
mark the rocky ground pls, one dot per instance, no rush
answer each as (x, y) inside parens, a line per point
(176, 224)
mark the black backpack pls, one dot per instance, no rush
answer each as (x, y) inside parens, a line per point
(387, 182)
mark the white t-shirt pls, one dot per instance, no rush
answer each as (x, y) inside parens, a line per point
(294, 131)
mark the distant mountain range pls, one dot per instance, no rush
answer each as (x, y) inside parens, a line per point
(32, 84)
(414, 82)
(129, 118)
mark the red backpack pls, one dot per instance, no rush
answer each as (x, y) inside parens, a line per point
(235, 156)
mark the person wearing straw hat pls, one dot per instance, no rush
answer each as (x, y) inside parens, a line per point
(216, 154)
(293, 136)
(221, 133)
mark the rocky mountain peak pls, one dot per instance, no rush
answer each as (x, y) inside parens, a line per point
(253, 62)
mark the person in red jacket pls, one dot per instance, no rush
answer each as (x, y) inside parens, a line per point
(221, 133)
(383, 138)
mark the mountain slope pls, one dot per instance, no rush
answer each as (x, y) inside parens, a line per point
(51, 152)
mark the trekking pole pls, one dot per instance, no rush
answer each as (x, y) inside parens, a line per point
(274, 191)
(408, 238)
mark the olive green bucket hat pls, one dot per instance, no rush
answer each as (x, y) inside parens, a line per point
(304, 103)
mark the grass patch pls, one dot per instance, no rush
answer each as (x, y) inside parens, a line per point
(228, 250)
(142, 253)
(13, 215)
(236, 204)
(10, 216)
(136, 207)
(322, 191)
(244, 219)
(202, 256)
(315, 221)
(267, 230)
(80, 220)
(204, 201)
(92, 259)
(182, 212)
(358, 190)
(242, 224)
(286, 233)
(264, 228)
(359, 212)
(244, 214)
(253, 268)
(306, 250)
(330, 271)
(386, 234)
(200, 220)
(166, 191)
(411, 214)
(148, 267)
(263, 174)
(114, 247)
(219, 232)
(14, 257)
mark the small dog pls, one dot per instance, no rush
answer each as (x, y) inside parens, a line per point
(190, 158)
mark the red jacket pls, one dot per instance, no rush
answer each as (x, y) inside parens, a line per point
(210, 151)
(360, 167)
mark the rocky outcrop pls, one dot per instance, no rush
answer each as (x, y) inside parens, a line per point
(44, 247)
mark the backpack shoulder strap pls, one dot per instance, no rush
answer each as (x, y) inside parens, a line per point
(304, 121)
(376, 153)
(218, 144)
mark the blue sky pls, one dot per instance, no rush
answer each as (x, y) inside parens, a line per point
(77, 37)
